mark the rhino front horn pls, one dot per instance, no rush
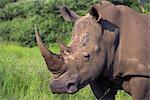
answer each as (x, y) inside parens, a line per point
(53, 61)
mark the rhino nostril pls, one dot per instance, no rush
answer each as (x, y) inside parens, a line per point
(72, 88)
(69, 85)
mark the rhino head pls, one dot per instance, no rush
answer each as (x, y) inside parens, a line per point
(83, 59)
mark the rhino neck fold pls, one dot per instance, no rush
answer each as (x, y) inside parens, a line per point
(112, 54)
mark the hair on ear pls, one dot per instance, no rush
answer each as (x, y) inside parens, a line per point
(94, 12)
(68, 14)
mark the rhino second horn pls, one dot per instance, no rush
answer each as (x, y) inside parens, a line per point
(53, 61)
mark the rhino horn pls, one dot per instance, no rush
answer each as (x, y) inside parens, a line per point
(63, 47)
(53, 61)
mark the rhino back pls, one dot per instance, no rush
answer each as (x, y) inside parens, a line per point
(134, 43)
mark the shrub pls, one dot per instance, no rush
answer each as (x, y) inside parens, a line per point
(17, 18)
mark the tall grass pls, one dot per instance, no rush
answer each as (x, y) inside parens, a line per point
(24, 76)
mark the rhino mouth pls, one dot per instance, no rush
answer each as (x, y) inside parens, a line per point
(58, 88)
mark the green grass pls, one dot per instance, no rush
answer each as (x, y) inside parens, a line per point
(24, 76)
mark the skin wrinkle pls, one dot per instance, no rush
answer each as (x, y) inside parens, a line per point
(112, 32)
(84, 39)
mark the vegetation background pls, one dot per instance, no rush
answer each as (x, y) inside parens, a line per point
(23, 73)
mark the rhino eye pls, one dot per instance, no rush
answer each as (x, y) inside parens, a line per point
(86, 56)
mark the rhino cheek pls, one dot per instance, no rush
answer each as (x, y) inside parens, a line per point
(89, 74)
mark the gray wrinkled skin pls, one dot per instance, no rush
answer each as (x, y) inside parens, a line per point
(109, 50)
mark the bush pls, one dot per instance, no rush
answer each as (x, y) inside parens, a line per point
(17, 18)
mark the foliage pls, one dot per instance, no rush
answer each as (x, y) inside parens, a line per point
(24, 76)
(17, 18)
(4, 2)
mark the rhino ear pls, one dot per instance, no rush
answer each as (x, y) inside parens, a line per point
(68, 14)
(94, 11)
(107, 11)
